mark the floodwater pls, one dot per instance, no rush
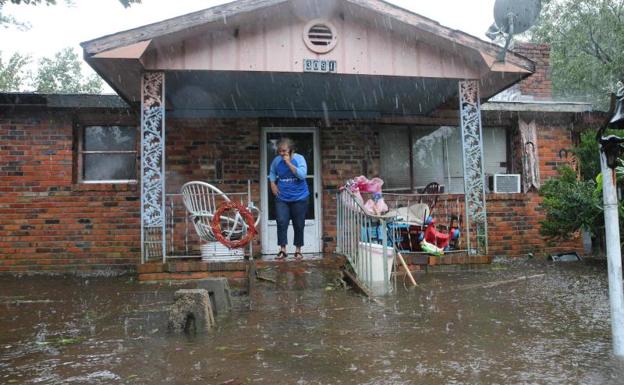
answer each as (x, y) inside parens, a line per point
(511, 323)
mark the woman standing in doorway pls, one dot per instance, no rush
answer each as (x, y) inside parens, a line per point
(288, 183)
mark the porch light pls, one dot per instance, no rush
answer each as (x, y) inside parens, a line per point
(612, 147)
(617, 121)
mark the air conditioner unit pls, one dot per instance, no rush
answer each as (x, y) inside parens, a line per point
(505, 183)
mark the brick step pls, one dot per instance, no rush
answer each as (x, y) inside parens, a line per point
(237, 270)
(188, 269)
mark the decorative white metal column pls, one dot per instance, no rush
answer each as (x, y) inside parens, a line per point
(472, 148)
(153, 166)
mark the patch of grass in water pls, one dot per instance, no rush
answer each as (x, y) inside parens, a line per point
(61, 341)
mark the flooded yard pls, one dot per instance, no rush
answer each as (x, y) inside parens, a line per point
(510, 323)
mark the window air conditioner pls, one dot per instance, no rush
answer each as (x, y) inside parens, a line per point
(505, 183)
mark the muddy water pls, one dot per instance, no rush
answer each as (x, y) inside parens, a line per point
(513, 323)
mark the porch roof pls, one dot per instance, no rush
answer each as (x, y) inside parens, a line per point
(226, 94)
(250, 41)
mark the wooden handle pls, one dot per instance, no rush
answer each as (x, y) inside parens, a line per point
(409, 273)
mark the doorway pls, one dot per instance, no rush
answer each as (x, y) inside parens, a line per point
(307, 144)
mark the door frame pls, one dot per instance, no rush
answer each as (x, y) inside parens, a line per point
(264, 179)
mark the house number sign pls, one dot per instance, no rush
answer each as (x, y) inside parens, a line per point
(320, 66)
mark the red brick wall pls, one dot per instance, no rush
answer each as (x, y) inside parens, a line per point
(47, 222)
(539, 84)
(348, 150)
(50, 222)
(193, 148)
(513, 219)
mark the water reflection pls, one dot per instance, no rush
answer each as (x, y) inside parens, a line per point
(510, 324)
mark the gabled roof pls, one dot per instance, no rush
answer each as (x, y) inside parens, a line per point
(176, 24)
(239, 8)
(172, 44)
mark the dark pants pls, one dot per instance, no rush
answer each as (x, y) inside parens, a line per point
(284, 212)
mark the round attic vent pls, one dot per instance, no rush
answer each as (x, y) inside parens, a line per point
(320, 36)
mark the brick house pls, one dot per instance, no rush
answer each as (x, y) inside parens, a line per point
(89, 181)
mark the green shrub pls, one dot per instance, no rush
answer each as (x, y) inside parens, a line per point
(570, 205)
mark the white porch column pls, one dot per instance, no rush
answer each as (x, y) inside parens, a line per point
(153, 166)
(474, 183)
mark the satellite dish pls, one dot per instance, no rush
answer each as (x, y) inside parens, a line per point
(514, 17)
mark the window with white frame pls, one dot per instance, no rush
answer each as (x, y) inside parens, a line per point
(412, 157)
(108, 154)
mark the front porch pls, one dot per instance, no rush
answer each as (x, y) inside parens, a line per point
(226, 153)
(185, 260)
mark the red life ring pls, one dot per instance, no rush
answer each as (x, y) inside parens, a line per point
(215, 225)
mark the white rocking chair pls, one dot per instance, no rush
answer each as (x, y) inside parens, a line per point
(201, 200)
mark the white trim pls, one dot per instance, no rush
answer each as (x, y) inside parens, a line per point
(538, 106)
(111, 181)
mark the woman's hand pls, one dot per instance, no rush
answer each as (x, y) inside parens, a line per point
(286, 158)
(274, 189)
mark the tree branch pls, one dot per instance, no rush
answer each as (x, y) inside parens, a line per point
(600, 53)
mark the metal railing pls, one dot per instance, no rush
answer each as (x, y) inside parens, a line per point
(447, 210)
(362, 238)
(182, 240)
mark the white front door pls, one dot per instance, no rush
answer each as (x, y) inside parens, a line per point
(307, 144)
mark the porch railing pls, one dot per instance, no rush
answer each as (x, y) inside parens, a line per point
(364, 238)
(355, 232)
(182, 240)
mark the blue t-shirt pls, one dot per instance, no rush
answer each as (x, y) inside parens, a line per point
(292, 187)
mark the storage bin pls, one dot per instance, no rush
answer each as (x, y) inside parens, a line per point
(375, 266)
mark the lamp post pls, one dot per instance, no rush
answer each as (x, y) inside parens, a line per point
(610, 150)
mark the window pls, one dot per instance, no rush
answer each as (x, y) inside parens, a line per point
(108, 154)
(412, 157)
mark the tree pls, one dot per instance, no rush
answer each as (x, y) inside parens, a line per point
(7, 21)
(587, 40)
(62, 74)
(125, 3)
(573, 202)
(587, 155)
(13, 73)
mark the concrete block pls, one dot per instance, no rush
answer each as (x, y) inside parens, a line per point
(219, 291)
(191, 311)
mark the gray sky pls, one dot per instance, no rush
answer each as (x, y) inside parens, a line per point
(57, 27)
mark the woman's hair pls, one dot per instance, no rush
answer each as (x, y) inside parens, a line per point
(286, 142)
